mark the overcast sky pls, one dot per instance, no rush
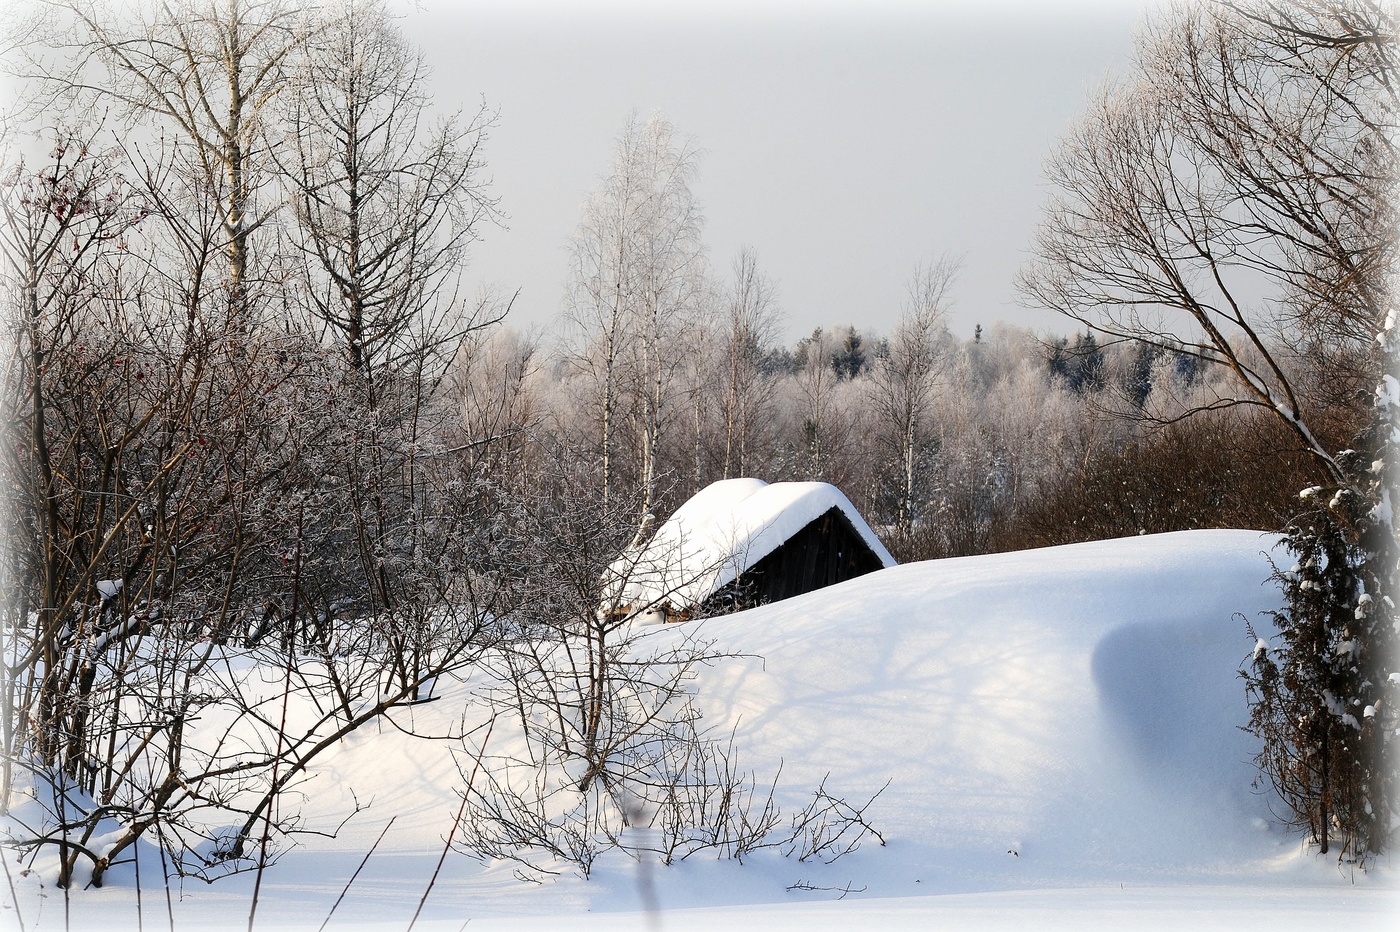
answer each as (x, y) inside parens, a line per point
(842, 143)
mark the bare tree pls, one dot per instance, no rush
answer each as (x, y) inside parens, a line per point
(182, 499)
(207, 71)
(57, 222)
(386, 201)
(904, 378)
(752, 324)
(820, 415)
(493, 383)
(123, 447)
(637, 271)
(1220, 205)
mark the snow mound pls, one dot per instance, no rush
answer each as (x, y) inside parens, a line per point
(1078, 707)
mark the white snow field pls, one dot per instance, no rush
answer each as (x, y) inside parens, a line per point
(1059, 730)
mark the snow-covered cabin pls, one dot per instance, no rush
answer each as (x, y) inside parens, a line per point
(743, 542)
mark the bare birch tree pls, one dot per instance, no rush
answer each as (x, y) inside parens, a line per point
(904, 379)
(637, 271)
(752, 321)
(206, 72)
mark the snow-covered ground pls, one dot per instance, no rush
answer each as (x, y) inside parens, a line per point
(1059, 731)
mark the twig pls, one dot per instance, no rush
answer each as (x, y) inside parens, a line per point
(461, 810)
(356, 874)
(140, 920)
(13, 895)
(805, 887)
(165, 871)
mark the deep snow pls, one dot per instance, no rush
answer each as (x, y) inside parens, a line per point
(1059, 729)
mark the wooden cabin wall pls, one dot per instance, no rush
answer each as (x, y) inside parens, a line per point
(827, 550)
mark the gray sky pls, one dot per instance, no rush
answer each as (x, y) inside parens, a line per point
(843, 145)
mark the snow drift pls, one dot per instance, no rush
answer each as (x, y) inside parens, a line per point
(1059, 731)
(1078, 706)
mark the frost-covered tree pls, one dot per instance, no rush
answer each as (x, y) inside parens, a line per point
(638, 271)
(752, 318)
(191, 483)
(904, 377)
(205, 73)
(815, 393)
(386, 199)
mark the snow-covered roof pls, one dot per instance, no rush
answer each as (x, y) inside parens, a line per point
(724, 529)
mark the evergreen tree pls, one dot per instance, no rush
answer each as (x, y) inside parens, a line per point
(1085, 365)
(1323, 696)
(850, 358)
(1139, 375)
(1320, 694)
(1079, 366)
(1056, 359)
(806, 346)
